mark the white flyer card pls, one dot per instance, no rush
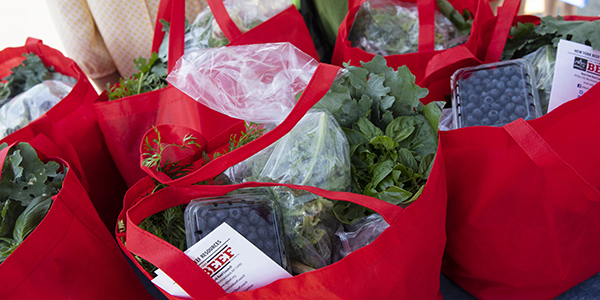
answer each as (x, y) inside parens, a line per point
(577, 69)
(231, 260)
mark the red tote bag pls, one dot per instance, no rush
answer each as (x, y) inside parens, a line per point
(124, 121)
(523, 203)
(70, 254)
(73, 124)
(402, 263)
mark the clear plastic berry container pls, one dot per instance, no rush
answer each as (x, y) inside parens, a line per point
(494, 94)
(253, 215)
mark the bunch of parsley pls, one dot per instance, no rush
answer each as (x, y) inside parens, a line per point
(152, 76)
(26, 191)
(392, 135)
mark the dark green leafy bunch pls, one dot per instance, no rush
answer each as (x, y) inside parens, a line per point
(526, 38)
(29, 73)
(26, 191)
(392, 135)
(151, 76)
(463, 22)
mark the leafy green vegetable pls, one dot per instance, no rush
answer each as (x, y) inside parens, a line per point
(29, 73)
(526, 38)
(392, 135)
(384, 27)
(151, 76)
(26, 191)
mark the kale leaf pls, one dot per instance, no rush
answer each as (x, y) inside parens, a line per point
(392, 135)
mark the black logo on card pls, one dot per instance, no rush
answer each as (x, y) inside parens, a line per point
(580, 63)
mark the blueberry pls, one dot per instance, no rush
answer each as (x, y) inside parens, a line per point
(503, 121)
(252, 228)
(245, 220)
(511, 84)
(213, 222)
(493, 115)
(473, 98)
(504, 79)
(496, 106)
(486, 122)
(521, 111)
(497, 73)
(515, 78)
(504, 99)
(222, 214)
(474, 81)
(485, 108)
(523, 83)
(477, 113)
(479, 89)
(486, 81)
(509, 92)
(508, 70)
(503, 114)
(495, 93)
(517, 99)
(509, 107)
(254, 217)
(262, 231)
(501, 86)
(471, 120)
(231, 222)
(235, 213)
(259, 244)
(488, 100)
(252, 237)
(470, 107)
(512, 117)
(482, 74)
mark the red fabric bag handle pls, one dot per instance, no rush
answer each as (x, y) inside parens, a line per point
(459, 57)
(172, 11)
(545, 157)
(317, 88)
(225, 22)
(426, 10)
(177, 264)
(506, 14)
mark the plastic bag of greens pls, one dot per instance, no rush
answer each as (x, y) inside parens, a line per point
(543, 60)
(387, 27)
(204, 32)
(361, 233)
(257, 83)
(31, 104)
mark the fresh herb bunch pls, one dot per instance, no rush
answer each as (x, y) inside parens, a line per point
(392, 135)
(26, 191)
(386, 28)
(525, 38)
(152, 76)
(169, 224)
(29, 73)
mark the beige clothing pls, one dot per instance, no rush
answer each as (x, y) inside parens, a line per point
(104, 36)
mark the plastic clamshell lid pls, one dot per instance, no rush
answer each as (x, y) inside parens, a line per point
(253, 215)
(494, 94)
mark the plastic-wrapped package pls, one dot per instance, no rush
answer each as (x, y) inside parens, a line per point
(204, 32)
(257, 83)
(315, 153)
(387, 27)
(361, 233)
(31, 104)
(543, 61)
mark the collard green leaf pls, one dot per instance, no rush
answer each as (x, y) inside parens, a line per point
(11, 210)
(406, 92)
(31, 218)
(15, 160)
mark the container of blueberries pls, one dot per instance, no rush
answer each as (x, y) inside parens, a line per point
(254, 215)
(494, 94)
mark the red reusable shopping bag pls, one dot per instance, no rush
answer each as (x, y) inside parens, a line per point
(70, 254)
(72, 123)
(523, 203)
(402, 263)
(124, 121)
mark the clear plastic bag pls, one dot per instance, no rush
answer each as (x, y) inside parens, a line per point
(387, 27)
(257, 83)
(205, 32)
(31, 104)
(315, 153)
(350, 238)
(543, 61)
